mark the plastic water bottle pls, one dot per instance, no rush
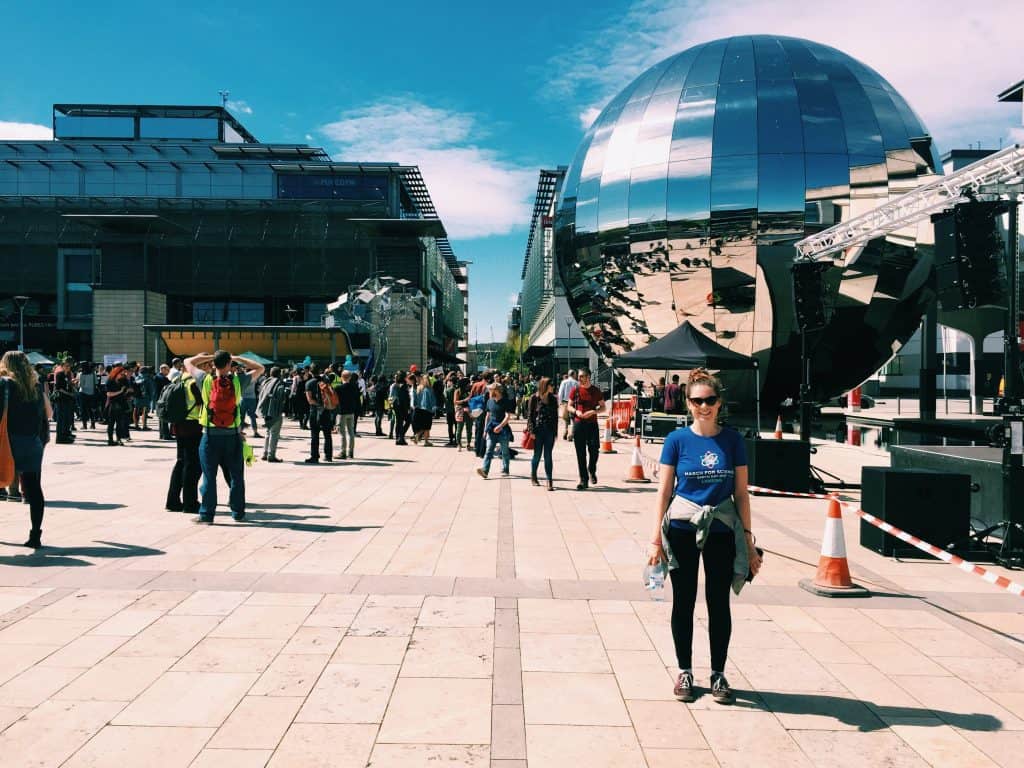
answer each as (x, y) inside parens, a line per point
(654, 580)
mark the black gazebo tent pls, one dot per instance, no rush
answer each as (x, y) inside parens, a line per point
(686, 348)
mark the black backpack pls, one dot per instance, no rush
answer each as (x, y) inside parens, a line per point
(172, 406)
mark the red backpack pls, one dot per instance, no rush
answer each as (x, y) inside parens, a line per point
(328, 395)
(223, 404)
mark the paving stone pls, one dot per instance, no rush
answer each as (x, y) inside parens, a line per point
(320, 745)
(556, 698)
(118, 745)
(188, 699)
(258, 722)
(116, 678)
(461, 712)
(563, 653)
(429, 755)
(556, 746)
(349, 693)
(450, 652)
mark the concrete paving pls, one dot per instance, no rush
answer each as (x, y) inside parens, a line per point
(399, 610)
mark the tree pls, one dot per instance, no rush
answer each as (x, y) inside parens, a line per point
(510, 354)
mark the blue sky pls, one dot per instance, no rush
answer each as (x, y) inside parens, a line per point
(480, 95)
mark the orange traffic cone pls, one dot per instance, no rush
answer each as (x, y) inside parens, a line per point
(606, 439)
(778, 427)
(833, 577)
(636, 466)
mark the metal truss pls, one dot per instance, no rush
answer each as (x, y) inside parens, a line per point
(1005, 166)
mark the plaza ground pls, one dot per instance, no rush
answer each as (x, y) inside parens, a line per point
(398, 610)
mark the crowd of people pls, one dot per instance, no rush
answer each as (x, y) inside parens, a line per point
(208, 402)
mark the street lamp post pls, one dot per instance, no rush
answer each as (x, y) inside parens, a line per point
(21, 301)
(568, 343)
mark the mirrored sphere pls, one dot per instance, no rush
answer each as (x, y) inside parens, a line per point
(686, 195)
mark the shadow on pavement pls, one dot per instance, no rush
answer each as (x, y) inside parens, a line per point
(82, 505)
(285, 506)
(49, 557)
(864, 715)
(293, 523)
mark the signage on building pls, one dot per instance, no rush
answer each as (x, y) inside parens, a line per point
(118, 359)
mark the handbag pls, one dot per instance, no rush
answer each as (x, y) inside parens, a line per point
(529, 440)
(6, 457)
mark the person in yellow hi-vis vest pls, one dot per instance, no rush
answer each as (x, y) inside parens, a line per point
(220, 417)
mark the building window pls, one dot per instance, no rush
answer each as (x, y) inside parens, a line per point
(227, 313)
(313, 312)
(77, 285)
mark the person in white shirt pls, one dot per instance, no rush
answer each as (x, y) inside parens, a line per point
(176, 368)
(568, 384)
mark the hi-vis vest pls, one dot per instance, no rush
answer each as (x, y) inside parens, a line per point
(194, 413)
(204, 416)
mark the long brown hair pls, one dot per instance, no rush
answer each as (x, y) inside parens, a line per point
(15, 366)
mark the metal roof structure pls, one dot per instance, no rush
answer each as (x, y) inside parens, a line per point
(152, 110)
(547, 186)
(414, 184)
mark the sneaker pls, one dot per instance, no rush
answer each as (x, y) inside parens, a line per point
(504, 473)
(480, 471)
(199, 520)
(312, 460)
(684, 687)
(274, 460)
(593, 478)
(239, 518)
(14, 496)
(581, 486)
(720, 690)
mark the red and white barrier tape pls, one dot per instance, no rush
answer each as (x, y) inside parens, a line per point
(964, 565)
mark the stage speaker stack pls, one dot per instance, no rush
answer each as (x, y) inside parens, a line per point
(969, 256)
(934, 506)
(782, 465)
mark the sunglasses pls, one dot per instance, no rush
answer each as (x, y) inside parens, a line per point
(712, 400)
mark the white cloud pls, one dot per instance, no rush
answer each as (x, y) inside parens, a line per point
(477, 191)
(13, 131)
(949, 59)
(309, 137)
(240, 106)
(588, 116)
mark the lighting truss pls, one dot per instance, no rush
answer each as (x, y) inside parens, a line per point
(1003, 167)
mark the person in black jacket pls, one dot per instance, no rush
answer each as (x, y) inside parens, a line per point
(401, 405)
(379, 390)
(27, 419)
(349, 398)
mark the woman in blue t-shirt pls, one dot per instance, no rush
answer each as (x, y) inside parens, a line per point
(702, 505)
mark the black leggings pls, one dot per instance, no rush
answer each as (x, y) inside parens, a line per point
(719, 551)
(33, 492)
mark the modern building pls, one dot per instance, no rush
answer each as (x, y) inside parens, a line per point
(553, 340)
(149, 231)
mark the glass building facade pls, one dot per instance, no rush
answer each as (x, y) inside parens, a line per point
(183, 206)
(688, 191)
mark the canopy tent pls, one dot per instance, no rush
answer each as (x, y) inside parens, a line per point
(36, 358)
(256, 358)
(686, 348)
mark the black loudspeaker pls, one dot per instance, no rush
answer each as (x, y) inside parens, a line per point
(809, 294)
(934, 506)
(970, 266)
(782, 465)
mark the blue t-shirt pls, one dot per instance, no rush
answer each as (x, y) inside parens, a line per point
(705, 467)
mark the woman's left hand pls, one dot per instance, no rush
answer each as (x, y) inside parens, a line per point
(753, 557)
